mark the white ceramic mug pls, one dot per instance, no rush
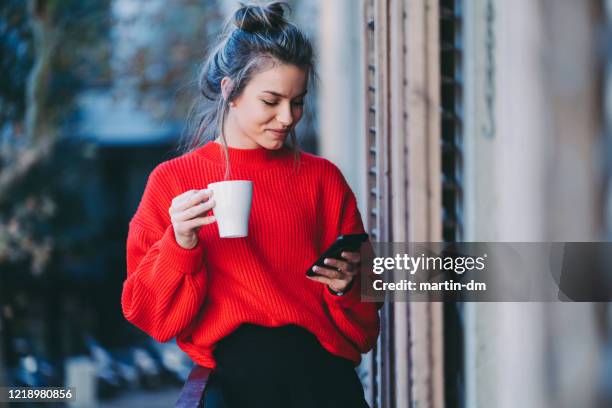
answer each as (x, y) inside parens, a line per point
(232, 207)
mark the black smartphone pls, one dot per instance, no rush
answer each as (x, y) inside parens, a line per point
(349, 242)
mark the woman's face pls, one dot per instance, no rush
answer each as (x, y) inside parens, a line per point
(269, 107)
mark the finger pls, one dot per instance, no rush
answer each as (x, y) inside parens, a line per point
(193, 199)
(196, 198)
(329, 273)
(338, 264)
(187, 226)
(321, 279)
(353, 257)
(340, 269)
(181, 198)
(183, 195)
(335, 285)
(194, 211)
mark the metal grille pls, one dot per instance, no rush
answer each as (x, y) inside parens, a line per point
(378, 219)
(452, 113)
(452, 192)
(372, 211)
(403, 173)
(371, 72)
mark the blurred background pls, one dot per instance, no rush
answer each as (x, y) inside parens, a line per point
(452, 120)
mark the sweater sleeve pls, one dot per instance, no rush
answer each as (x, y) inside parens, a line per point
(166, 283)
(356, 319)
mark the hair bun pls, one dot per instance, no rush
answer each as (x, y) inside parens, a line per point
(254, 18)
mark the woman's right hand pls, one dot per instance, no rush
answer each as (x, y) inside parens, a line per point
(184, 213)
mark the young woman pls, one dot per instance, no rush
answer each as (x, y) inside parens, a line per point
(244, 306)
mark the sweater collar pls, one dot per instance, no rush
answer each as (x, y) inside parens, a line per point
(245, 158)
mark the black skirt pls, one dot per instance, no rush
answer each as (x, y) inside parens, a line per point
(280, 367)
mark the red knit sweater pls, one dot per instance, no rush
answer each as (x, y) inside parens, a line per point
(201, 295)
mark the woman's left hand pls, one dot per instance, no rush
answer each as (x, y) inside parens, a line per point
(340, 273)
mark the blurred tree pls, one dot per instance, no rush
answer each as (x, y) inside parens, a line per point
(48, 50)
(16, 59)
(158, 50)
(53, 48)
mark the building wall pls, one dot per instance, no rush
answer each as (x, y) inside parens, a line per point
(341, 102)
(532, 175)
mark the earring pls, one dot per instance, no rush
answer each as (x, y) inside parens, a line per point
(232, 104)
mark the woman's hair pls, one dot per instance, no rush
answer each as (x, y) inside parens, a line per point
(254, 39)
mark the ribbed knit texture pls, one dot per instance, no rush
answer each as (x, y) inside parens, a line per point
(201, 295)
